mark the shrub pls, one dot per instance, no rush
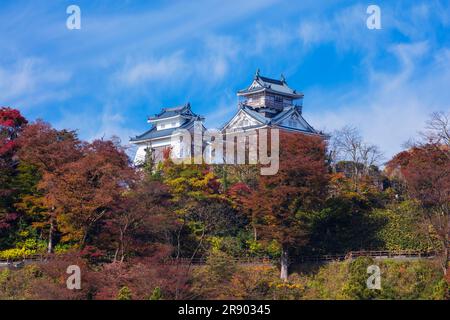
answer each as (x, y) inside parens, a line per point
(124, 294)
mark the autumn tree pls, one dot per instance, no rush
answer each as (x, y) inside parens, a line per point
(141, 219)
(83, 191)
(426, 171)
(280, 204)
(47, 150)
(11, 125)
(353, 155)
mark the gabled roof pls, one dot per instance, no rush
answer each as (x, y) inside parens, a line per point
(154, 134)
(261, 84)
(250, 112)
(275, 121)
(181, 111)
(184, 111)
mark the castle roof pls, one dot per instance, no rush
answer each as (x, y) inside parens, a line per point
(263, 120)
(183, 111)
(265, 84)
(155, 134)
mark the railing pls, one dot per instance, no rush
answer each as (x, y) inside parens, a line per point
(30, 258)
(316, 258)
(373, 254)
(19, 262)
(238, 260)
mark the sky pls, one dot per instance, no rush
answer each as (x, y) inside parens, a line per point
(132, 58)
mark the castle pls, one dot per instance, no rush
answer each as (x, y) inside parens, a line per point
(266, 103)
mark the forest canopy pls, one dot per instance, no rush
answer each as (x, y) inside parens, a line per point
(182, 231)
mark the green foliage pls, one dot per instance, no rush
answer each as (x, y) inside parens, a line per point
(404, 228)
(24, 249)
(220, 266)
(350, 223)
(273, 249)
(124, 294)
(151, 169)
(399, 280)
(345, 224)
(156, 294)
(15, 285)
(27, 179)
(337, 281)
(63, 248)
(255, 247)
(412, 280)
(93, 198)
(355, 287)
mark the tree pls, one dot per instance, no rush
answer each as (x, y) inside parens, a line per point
(194, 188)
(281, 203)
(438, 129)
(84, 191)
(46, 149)
(347, 145)
(141, 218)
(11, 125)
(426, 171)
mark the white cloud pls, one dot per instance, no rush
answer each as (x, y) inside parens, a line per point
(109, 122)
(211, 64)
(393, 106)
(346, 28)
(31, 81)
(136, 73)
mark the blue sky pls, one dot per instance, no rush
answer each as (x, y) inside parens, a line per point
(131, 58)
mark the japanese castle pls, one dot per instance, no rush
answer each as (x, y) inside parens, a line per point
(266, 103)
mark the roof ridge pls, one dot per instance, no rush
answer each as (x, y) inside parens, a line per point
(271, 80)
(176, 108)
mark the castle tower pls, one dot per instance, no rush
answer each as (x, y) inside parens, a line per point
(269, 103)
(163, 125)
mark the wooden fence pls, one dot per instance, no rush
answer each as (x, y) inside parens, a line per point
(399, 254)
(380, 254)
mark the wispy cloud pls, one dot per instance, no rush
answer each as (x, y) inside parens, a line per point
(393, 106)
(130, 59)
(27, 83)
(141, 72)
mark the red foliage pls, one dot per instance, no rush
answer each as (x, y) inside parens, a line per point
(141, 276)
(426, 171)
(11, 122)
(85, 190)
(11, 117)
(166, 153)
(238, 189)
(92, 254)
(47, 148)
(7, 220)
(300, 184)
